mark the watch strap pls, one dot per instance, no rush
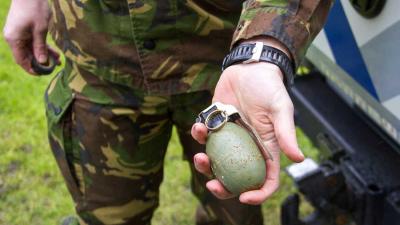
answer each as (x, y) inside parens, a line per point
(257, 52)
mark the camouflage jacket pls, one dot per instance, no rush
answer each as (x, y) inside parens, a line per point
(175, 46)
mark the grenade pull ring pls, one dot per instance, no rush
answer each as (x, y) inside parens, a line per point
(44, 69)
(216, 120)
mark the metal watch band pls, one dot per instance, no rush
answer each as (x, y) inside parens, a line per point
(258, 52)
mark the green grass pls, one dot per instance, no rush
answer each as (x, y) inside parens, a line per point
(31, 188)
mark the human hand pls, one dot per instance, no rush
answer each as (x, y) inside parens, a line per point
(25, 31)
(258, 92)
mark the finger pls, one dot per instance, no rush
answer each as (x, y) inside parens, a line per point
(217, 189)
(55, 54)
(202, 164)
(39, 45)
(199, 132)
(285, 132)
(257, 197)
(22, 54)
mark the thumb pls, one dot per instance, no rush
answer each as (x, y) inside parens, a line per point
(39, 45)
(285, 132)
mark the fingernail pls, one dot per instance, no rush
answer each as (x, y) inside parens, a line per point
(194, 127)
(42, 59)
(214, 190)
(302, 154)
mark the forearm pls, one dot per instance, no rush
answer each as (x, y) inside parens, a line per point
(287, 25)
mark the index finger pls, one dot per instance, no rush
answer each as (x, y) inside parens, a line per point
(22, 54)
(199, 132)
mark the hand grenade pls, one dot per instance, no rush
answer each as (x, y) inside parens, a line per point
(236, 152)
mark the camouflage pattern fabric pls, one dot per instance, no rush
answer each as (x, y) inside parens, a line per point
(134, 69)
(175, 46)
(111, 148)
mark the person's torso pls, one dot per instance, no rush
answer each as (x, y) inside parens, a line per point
(162, 47)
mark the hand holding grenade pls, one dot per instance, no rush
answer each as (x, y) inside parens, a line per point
(236, 152)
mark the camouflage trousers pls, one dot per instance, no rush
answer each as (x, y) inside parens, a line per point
(110, 141)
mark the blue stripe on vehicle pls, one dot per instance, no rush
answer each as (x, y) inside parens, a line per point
(345, 48)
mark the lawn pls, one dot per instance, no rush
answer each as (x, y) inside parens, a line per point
(31, 188)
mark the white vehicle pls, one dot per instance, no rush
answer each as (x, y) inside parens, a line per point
(350, 108)
(361, 56)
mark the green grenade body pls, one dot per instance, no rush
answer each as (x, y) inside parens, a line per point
(235, 158)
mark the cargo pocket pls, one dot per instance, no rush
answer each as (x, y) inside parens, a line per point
(58, 99)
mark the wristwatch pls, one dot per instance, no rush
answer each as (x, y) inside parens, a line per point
(258, 52)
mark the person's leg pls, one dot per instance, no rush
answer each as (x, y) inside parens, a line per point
(111, 157)
(213, 211)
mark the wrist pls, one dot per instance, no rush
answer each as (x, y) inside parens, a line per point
(273, 70)
(252, 53)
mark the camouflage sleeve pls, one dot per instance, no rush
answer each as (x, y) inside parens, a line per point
(295, 23)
